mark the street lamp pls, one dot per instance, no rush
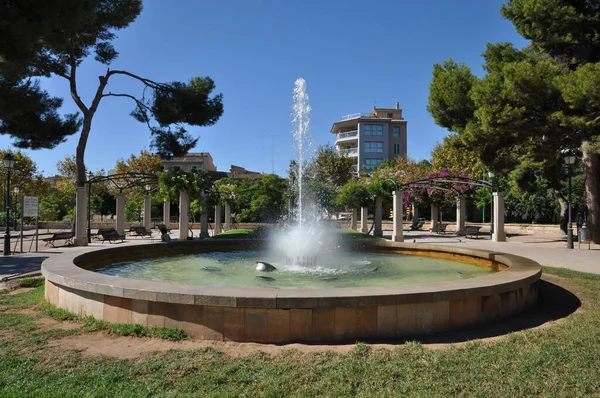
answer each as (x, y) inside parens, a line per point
(9, 163)
(569, 159)
(491, 176)
(89, 209)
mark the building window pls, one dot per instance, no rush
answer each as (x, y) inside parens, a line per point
(390, 115)
(374, 146)
(373, 129)
(396, 149)
(370, 164)
(396, 131)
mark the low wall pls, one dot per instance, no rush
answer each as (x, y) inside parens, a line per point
(291, 315)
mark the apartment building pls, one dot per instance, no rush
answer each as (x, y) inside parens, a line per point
(371, 138)
(197, 160)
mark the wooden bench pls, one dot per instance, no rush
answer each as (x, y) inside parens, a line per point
(469, 230)
(417, 226)
(140, 231)
(439, 228)
(66, 236)
(110, 235)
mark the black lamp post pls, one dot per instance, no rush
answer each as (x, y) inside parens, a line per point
(9, 163)
(491, 175)
(569, 160)
(89, 209)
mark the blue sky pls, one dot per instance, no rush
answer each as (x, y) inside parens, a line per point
(352, 54)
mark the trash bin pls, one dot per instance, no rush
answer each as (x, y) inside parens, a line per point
(583, 235)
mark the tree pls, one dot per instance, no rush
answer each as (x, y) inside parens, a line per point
(567, 31)
(331, 167)
(454, 155)
(53, 39)
(145, 163)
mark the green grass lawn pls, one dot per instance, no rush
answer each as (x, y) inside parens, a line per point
(263, 232)
(561, 359)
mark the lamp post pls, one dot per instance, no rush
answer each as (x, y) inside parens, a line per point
(569, 160)
(89, 209)
(491, 176)
(9, 163)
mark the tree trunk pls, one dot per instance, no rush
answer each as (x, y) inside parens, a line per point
(591, 168)
(564, 210)
(80, 222)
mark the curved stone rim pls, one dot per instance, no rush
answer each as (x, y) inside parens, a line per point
(520, 271)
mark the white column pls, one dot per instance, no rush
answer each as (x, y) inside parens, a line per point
(378, 230)
(204, 223)
(398, 227)
(147, 211)
(498, 235)
(460, 213)
(184, 214)
(81, 217)
(167, 213)
(217, 219)
(120, 213)
(435, 215)
(227, 216)
(354, 219)
(364, 220)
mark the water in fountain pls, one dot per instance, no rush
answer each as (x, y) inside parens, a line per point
(306, 242)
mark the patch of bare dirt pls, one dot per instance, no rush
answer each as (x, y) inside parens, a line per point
(20, 290)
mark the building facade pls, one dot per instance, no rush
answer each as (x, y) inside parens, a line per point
(198, 160)
(371, 138)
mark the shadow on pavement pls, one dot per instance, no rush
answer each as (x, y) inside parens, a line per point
(14, 265)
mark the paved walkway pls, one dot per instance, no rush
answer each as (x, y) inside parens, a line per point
(545, 249)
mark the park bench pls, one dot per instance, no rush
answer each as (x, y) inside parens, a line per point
(439, 228)
(469, 230)
(417, 226)
(140, 231)
(66, 236)
(109, 234)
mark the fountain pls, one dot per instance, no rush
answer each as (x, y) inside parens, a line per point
(318, 290)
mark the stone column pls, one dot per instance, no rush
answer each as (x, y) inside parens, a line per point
(498, 235)
(415, 214)
(217, 219)
(81, 217)
(435, 215)
(184, 215)
(354, 219)
(147, 211)
(227, 216)
(398, 226)
(460, 213)
(120, 213)
(204, 223)
(167, 213)
(378, 230)
(364, 220)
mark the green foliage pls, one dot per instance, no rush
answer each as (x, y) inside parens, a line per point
(195, 182)
(331, 167)
(56, 313)
(353, 195)
(136, 330)
(31, 282)
(261, 199)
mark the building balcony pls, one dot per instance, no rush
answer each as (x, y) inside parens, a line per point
(352, 152)
(347, 136)
(355, 116)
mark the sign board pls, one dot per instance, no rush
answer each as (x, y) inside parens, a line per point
(30, 206)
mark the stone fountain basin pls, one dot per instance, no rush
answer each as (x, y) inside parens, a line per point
(290, 315)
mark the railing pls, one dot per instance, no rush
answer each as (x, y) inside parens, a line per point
(349, 152)
(355, 115)
(348, 134)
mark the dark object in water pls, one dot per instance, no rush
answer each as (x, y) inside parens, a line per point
(210, 269)
(264, 267)
(265, 278)
(329, 278)
(373, 269)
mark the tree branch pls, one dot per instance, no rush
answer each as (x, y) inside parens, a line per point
(73, 84)
(147, 82)
(137, 101)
